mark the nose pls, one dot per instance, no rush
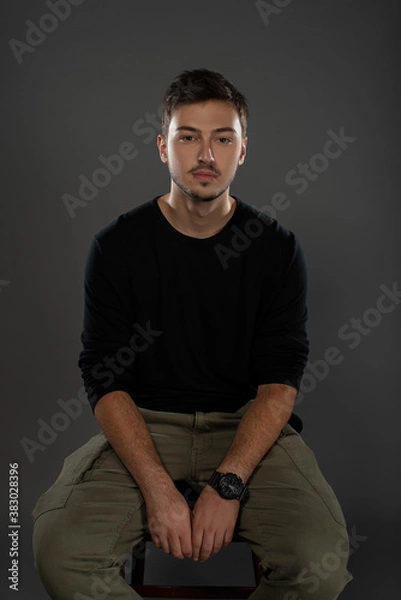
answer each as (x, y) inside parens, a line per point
(205, 153)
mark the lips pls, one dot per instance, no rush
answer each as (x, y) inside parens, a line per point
(203, 173)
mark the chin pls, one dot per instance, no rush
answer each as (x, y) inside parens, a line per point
(196, 198)
(206, 196)
(199, 195)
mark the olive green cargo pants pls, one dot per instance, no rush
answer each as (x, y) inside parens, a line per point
(86, 523)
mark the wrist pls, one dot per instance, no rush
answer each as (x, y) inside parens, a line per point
(228, 485)
(238, 470)
(212, 492)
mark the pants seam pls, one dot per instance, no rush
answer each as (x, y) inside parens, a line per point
(290, 455)
(122, 525)
(262, 538)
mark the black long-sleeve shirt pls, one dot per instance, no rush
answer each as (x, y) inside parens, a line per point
(185, 324)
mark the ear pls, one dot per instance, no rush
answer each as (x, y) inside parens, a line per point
(242, 155)
(162, 146)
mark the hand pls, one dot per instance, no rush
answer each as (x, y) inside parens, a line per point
(169, 519)
(213, 522)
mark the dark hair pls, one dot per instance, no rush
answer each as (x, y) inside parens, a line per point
(200, 85)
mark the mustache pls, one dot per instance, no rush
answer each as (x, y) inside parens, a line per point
(204, 168)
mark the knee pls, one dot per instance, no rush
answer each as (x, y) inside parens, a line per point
(323, 573)
(311, 564)
(73, 564)
(51, 553)
(45, 542)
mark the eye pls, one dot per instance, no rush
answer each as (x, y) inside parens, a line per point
(225, 140)
(187, 137)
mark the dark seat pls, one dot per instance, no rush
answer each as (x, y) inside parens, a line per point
(190, 491)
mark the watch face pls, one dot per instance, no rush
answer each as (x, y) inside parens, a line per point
(229, 486)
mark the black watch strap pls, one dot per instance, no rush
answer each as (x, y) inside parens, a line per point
(215, 478)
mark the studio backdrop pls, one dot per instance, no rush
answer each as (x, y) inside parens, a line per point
(82, 88)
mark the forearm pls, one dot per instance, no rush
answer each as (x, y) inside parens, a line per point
(128, 434)
(259, 428)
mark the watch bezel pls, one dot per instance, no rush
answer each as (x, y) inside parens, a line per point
(216, 481)
(227, 480)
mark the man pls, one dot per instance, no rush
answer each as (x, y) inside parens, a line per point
(194, 346)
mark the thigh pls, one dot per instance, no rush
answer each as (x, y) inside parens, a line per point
(72, 472)
(95, 503)
(96, 462)
(86, 523)
(292, 516)
(92, 513)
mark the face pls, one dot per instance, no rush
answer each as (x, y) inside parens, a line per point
(205, 136)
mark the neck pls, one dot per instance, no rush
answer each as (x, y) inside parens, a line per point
(197, 219)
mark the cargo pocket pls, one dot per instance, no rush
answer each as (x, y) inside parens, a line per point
(73, 470)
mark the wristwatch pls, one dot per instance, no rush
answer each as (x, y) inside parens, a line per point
(228, 485)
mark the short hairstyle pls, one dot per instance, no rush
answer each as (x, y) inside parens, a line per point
(200, 85)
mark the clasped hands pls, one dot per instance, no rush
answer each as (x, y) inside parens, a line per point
(197, 534)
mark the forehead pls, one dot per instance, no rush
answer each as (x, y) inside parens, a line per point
(210, 114)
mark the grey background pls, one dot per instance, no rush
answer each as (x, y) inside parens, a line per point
(315, 66)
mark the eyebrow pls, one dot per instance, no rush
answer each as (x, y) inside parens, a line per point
(218, 130)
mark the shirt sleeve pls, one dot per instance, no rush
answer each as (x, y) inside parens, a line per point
(106, 360)
(281, 345)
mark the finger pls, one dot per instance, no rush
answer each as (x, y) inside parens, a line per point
(175, 547)
(186, 545)
(218, 544)
(184, 539)
(207, 547)
(164, 545)
(197, 537)
(228, 537)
